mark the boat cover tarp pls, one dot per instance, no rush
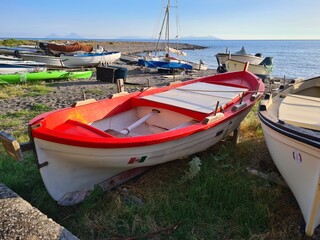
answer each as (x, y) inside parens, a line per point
(74, 47)
(200, 97)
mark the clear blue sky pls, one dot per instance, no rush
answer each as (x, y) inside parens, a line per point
(225, 19)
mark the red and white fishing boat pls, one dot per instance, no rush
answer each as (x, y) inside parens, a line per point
(78, 147)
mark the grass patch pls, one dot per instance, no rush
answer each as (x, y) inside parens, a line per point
(212, 198)
(17, 122)
(23, 90)
(96, 91)
(14, 42)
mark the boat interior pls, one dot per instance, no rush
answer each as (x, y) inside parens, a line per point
(300, 105)
(147, 114)
(170, 110)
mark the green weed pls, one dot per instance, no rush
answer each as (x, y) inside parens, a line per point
(217, 198)
(23, 90)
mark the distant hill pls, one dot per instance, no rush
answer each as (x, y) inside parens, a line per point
(53, 36)
(73, 36)
(69, 36)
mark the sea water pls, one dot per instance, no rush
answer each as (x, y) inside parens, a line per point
(292, 58)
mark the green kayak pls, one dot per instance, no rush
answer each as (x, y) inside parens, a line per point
(36, 76)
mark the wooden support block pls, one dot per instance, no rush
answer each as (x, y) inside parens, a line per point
(239, 106)
(120, 85)
(11, 145)
(213, 118)
(84, 102)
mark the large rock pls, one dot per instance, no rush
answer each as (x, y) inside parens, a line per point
(19, 220)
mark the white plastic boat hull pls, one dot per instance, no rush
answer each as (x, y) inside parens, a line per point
(87, 60)
(223, 57)
(299, 164)
(51, 61)
(93, 165)
(259, 70)
(9, 67)
(290, 123)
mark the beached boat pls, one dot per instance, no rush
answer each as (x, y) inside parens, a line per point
(9, 58)
(40, 76)
(49, 60)
(291, 126)
(89, 59)
(57, 48)
(129, 59)
(103, 142)
(241, 56)
(165, 61)
(201, 66)
(14, 51)
(262, 70)
(8, 66)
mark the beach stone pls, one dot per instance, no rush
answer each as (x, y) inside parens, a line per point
(19, 220)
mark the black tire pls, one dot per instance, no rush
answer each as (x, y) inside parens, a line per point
(221, 69)
(16, 54)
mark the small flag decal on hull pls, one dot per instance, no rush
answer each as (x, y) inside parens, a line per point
(137, 160)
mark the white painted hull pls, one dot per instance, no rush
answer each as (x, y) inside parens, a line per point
(301, 177)
(234, 66)
(71, 169)
(291, 131)
(9, 58)
(129, 58)
(198, 66)
(12, 50)
(223, 57)
(88, 61)
(10, 67)
(51, 61)
(12, 70)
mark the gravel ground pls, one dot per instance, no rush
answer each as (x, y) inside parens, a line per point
(65, 93)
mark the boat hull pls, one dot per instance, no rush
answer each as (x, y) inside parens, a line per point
(261, 71)
(299, 164)
(82, 167)
(89, 60)
(38, 76)
(87, 144)
(9, 67)
(291, 131)
(223, 57)
(51, 61)
(164, 64)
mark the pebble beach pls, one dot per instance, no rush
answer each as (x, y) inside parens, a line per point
(65, 93)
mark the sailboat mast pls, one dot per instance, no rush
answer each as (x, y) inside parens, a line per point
(168, 26)
(166, 34)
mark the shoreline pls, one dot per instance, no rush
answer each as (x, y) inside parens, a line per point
(125, 47)
(137, 78)
(81, 89)
(139, 47)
